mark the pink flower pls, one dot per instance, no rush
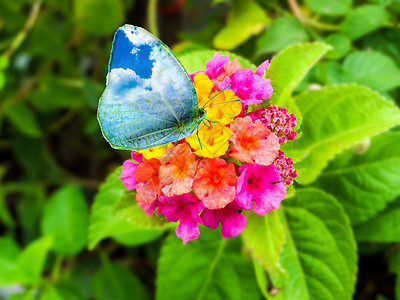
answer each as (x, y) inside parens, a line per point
(183, 208)
(128, 174)
(250, 87)
(262, 185)
(285, 167)
(218, 68)
(278, 120)
(232, 221)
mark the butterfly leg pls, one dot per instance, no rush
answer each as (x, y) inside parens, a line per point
(173, 147)
(197, 133)
(164, 146)
(205, 124)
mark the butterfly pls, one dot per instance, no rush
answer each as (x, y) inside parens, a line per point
(149, 99)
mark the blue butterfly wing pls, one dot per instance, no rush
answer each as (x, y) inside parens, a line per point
(149, 99)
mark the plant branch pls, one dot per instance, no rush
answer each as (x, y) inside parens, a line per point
(20, 37)
(152, 17)
(294, 7)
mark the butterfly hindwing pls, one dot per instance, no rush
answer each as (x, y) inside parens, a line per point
(148, 93)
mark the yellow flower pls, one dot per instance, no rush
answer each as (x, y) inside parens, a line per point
(216, 112)
(214, 140)
(156, 151)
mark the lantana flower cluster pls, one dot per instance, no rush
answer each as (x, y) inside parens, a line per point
(239, 165)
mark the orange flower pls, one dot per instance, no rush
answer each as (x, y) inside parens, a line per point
(253, 142)
(215, 182)
(149, 186)
(178, 170)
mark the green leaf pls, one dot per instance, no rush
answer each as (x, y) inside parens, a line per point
(341, 45)
(27, 295)
(23, 119)
(264, 236)
(8, 259)
(196, 60)
(127, 209)
(329, 7)
(138, 236)
(99, 16)
(50, 48)
(112, 282)
(289, 67)
(364, 183)
(362, 20)
(336, 118)
(54, 93)
(373, 69)
(210, 268)
(143, 228)
(246, 18)
(2, 80)
(5, 216)
(66, 219)
(329, 72)
(320, 253)
(384, 227)
(262, 280)
(102, 223)
(38, 162)
(283, 32)
(30, 263)
(384, 41)
(30, 207)
(4, 62)
(56, 293)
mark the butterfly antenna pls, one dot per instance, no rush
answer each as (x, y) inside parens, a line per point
(197, 133)
(173, 147)
(223, 103)
(216, 95)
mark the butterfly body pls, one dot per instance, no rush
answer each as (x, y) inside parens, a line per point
(149, 99)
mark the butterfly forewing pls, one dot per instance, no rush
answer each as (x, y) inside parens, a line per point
(149, 99)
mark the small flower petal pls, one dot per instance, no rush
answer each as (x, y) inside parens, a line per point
(128, 174)
(233, 222)
(253, 142)
(261, 68)
(214, 140)
(185, 209)
(215, 182)
(156, 152)
(178, 170)
(149, 186)
(259, 184)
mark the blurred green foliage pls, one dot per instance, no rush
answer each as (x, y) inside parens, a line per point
(341, 78)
